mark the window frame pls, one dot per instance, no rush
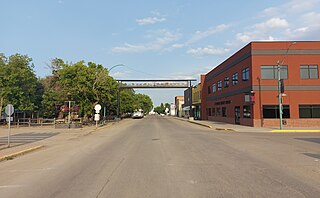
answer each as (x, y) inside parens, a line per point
(235, 79)
(283, 72)
(226, 82)
(308, 71)
(214, 88)
(245, 74)
(312, 108)
(285, 111)
(219, 85)
(246, 111)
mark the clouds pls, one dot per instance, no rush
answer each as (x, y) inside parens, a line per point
(165, 40)
(150, 20)
(202, 35)
(207, 51)
(160, 40)
(294, 20)
(263, 31)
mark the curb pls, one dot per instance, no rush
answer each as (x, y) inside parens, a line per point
(13, 155)
(223, 129)
(205, 125)
(98, 129)
(295, 131)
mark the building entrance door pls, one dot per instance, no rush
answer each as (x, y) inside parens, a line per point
(237, 115)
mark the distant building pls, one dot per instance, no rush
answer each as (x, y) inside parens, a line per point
(187, 103)
(172, 109)
(179, 101)
(244, 88)
(196, 99)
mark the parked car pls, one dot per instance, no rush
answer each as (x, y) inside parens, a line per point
(137, 114)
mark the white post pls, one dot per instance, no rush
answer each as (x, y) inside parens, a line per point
(9, 132)
(69, 116)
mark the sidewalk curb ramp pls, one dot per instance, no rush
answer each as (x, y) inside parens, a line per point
(295, 131)
(19, 153)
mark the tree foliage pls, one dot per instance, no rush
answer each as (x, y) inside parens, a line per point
(84, 84)
(18, 82)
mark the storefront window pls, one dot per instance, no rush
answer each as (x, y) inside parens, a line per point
(272, 111)
(309, 111)
(246, 112)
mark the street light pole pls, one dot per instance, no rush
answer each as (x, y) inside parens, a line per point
(279, 83)
(118, 65)
(118, 94)
(279, 94)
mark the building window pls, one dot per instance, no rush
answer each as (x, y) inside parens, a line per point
(214, 88)
(309, 72)
(272, 111)
(209, 90)
(245, 74)
(246, 112)
(271, 72)
(218, 111)
(219, 85)
(213, 112)
(226, 82)
(309, 111)
(235, 79)
(224, 111)
(209, 111)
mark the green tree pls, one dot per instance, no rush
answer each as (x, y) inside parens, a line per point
(160, 109)
(127, 101)
(143, 102)
(18, 82)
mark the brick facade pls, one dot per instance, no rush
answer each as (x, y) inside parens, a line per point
(252, 100)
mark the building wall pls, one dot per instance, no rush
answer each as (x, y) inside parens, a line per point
(196, 94)
(233, 93)
(253, 56)
(179, 101)
(297, 90)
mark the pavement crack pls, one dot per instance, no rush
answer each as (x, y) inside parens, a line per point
(109, 177)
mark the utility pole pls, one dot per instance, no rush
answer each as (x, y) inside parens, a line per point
(279, 83)
(279, 94)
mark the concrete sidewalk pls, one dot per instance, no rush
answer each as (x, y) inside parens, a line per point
(51, 136)
(221, 126)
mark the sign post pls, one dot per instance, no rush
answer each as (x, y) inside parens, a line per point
(97, 115)
(9, 111)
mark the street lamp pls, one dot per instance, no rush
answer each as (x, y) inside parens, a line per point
(118, 65)
(105, 105)
(279, 64)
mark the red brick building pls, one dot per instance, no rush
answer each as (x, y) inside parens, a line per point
(244, 88)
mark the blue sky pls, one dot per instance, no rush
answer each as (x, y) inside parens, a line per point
(168, 39)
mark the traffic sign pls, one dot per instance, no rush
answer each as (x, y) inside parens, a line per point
(97, 108)
(9, 118)
(9, 109)
(96, 117)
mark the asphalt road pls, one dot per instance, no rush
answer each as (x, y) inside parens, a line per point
(164, 157)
